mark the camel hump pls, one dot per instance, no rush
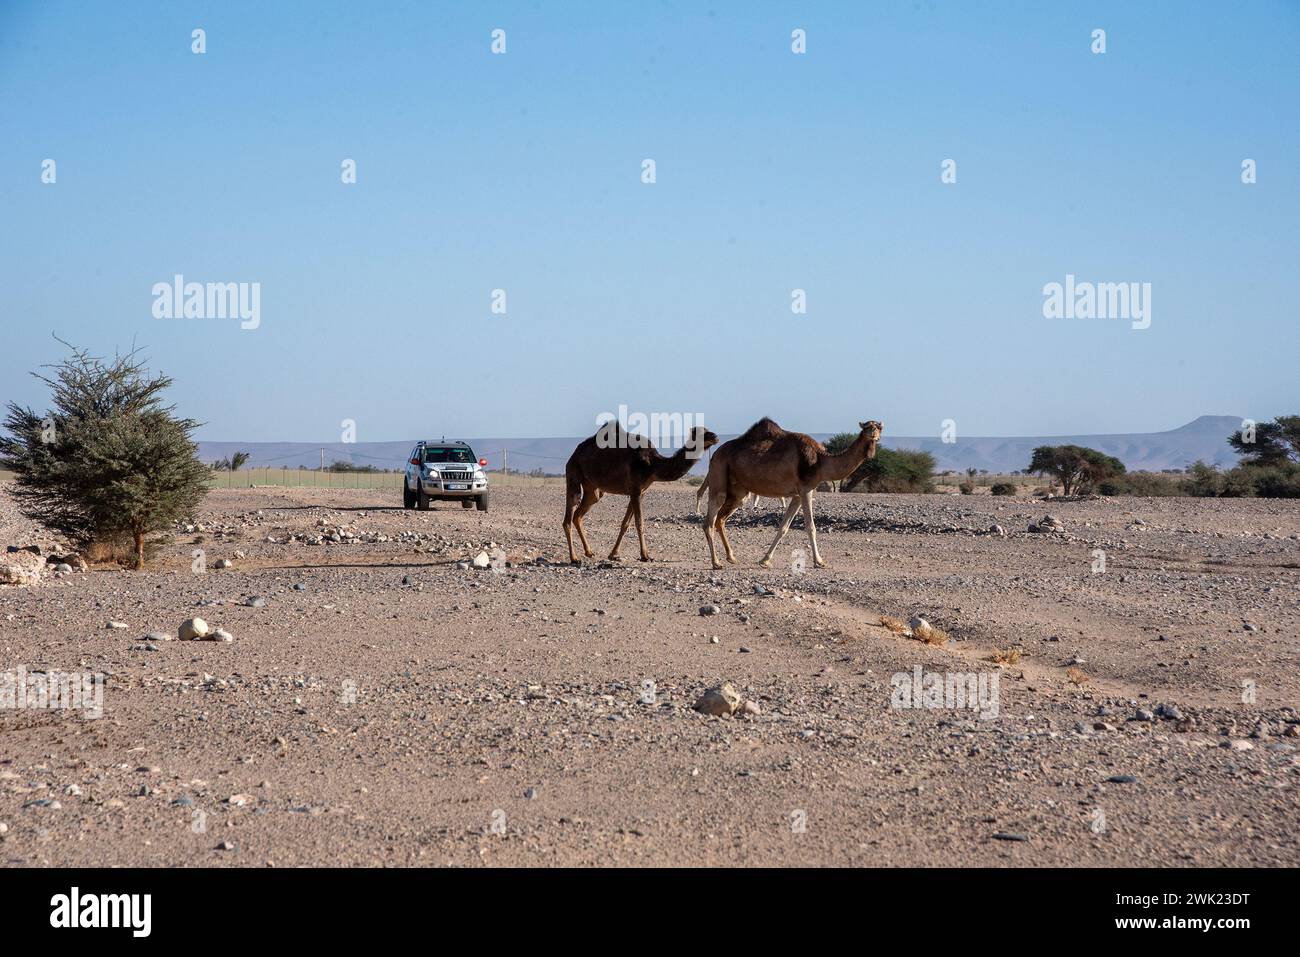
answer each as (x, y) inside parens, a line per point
(764, 428)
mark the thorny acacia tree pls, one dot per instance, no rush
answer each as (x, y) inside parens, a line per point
(109, 461)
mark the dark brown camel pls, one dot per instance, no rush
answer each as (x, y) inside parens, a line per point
(624, 464)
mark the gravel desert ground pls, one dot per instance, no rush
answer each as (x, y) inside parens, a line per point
(385, 702)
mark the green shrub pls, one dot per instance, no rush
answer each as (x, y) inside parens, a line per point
(1004, 488)
(1148, 484)
(109, 463)
(893, 470)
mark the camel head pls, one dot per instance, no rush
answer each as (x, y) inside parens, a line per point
(699, 440)
(871, 432)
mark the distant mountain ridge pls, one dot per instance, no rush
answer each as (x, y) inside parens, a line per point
(1204, 438)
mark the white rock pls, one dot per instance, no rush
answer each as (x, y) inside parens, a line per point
(193, 629)
(720, 700)
(481, 560)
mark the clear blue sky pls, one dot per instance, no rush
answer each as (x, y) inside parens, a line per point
(775, 171)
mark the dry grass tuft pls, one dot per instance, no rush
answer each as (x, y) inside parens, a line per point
(895, 625)
(931, 635)
(1008, 657)
(1077, 676)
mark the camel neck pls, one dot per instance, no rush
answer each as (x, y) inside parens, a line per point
(840, 465)
(673, 467)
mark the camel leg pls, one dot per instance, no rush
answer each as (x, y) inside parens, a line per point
(622, 530)
(699, 494)
(568, 528)
(780, 532)
(590, 497)
(812, 528)
(715, 502)
(640, 528)
(728, 507)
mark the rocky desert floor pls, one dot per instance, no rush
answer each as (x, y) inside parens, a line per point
(385, 702)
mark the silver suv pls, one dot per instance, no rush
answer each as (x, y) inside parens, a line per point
(444, 471)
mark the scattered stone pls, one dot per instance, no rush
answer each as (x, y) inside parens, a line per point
(1168, 711)
(750, 707)
(223, 563)
(481, 560)
(707, 610)
(116, 625)
(1238, 744)
(718, 701)
(193, 629)
(1008, 836)
(256, 601)
(1142, 714)
(222, 635)
(1121, 779)
(19, 574)
(1047, 524)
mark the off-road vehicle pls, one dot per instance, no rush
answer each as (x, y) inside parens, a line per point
(444, 471)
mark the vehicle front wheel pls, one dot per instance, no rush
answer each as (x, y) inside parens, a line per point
(482, 502)
(422, 499)
(467, 503)
(408, 497)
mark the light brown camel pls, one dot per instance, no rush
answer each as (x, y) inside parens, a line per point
(750, 500)
(625, 464)
(769, 461)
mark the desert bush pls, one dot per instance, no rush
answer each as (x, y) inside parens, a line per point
(109, 462)
(1203, 480)
(1280, 482)
(1003, 488)
(966, 488)
(1207, 481)
(893, 470)
(1146, 483)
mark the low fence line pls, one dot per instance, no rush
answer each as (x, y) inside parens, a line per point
(315, 478)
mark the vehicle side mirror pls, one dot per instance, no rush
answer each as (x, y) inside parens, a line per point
(415, 461)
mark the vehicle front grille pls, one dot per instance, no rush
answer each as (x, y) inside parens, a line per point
(455, 476)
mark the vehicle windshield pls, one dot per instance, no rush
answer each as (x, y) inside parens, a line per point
(445, 456)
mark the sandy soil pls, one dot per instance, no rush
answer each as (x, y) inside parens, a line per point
(402, 709)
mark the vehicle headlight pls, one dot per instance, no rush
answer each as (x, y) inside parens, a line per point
(478, 475)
